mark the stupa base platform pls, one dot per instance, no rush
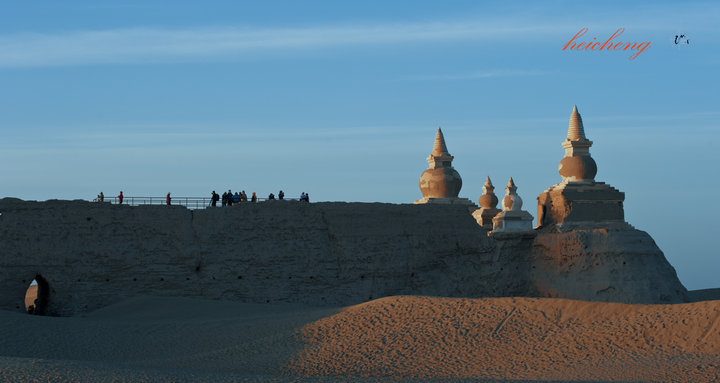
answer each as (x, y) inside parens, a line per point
(484, 217)
(568, 203)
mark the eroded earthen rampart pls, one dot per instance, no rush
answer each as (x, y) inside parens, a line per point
(88, 255)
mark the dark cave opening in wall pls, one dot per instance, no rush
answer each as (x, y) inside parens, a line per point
(36, 296)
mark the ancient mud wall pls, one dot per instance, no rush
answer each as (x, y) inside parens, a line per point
(92, 254)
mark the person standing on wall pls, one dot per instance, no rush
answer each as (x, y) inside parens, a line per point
(167, 199)
(120, 198)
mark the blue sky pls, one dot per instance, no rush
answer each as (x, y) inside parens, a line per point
(342, 100)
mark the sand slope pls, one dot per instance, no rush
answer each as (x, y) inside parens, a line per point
(162, 339)
(516, 338)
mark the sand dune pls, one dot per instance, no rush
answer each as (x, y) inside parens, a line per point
(516, 338)
(178, 339)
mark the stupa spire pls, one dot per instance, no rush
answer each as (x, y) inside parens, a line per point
(512, 200)
(511, 186)
(576, 131)
(440, 149)
(488, 187)
(440, 156)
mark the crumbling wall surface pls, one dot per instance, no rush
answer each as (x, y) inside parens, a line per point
(94, 254)
(615, 264)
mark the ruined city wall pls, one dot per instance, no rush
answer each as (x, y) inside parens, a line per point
(94, 254)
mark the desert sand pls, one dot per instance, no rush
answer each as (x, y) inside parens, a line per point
(388, 339)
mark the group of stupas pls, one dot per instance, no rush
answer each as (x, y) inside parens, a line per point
(577, 200)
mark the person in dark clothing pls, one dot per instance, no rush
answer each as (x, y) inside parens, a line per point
(271, 196)
(281, 195)
(230, 198)
(214, 198)
(243, 196)
(101, 197)
(307, 197)
(120, 198)
(167, 199)
(254, 197)
(224, 198)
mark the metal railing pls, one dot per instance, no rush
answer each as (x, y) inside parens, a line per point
(188, 202)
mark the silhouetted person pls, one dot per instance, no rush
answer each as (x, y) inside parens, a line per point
(243, 196)
(120, 198)
(101, 197)
(167, 199)
(214, 198)
(230, 198)
(271, 196)
(281, 195)
(307, 197)
(254, 197)
(224, 198)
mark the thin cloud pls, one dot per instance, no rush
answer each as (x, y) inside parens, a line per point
(478, 75)
(149, 45)
(142, 45)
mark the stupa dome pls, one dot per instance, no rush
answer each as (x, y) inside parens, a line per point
(577, 168)
(488, 200)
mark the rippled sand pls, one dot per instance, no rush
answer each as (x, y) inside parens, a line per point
(393, 338)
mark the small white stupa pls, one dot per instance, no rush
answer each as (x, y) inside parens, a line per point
(512, 218)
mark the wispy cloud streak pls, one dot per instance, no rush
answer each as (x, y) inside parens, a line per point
(478, 75)
(139, 45)
(142, 45)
